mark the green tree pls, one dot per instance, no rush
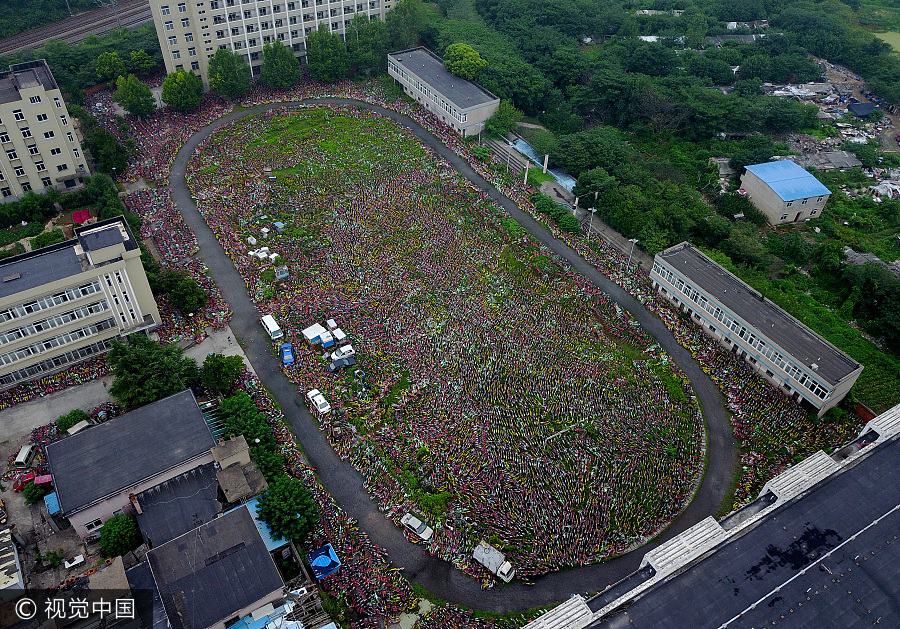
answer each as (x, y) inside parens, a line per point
(141, 61)
(241, 417)
(368, 42)
(134, 96)
(33, 493)
(182, 90)
(595, 183)
(326, 55)
(280, 68)
(110, 66)
(289, 509)
(146, 371)
(219, 372)
(464, 61)
(229, 74)
(64, 422)
(120, 534)
(506, 118)
(405, 22)
(696, 31)
(188, 296)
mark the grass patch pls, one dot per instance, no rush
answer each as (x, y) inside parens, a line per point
(536, 176)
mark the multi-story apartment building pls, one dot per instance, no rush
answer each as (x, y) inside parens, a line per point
(66, 302)
(190, 31)
(461, 104)
(39, 145)
(780, 348)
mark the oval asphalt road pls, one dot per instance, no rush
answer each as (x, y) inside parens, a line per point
(345, 484)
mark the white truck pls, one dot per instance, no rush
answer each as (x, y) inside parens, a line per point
(494, 560)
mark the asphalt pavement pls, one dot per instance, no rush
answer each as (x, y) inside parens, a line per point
(345, 484)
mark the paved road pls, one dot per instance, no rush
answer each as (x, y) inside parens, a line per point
(343, 482)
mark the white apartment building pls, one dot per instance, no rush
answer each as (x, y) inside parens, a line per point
(64, 303)
(780, 348)
(191, 31)
(39, 145)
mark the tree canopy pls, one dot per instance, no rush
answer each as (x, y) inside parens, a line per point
(134, 96)
(241, 417)
(289, 509)
(64, 422)
(146, 371)
(120, 534)
(182, 90)
(368, 42)
(326, 55)
(280, 68)
(110, 66)
(464, 61)
(219, 372)
(229, 74)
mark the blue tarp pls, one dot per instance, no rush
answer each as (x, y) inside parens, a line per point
(324, 561)
(52, 503)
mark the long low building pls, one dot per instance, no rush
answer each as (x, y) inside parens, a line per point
(461, 104)
(779, 347)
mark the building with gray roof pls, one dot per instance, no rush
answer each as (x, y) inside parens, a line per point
(462, 105)
(216, 574)
(64, 303)
(97, 471)
(779, 347)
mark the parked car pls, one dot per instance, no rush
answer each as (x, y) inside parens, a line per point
(343, 352)
(318, 401)
(341, 363)
(287, 353)
(416, 526)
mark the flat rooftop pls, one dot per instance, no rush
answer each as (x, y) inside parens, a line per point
(122, 452)
(179, 505)
(828, 558)
(430, 68)
(207, 575)
(24, 76)
(792, 336)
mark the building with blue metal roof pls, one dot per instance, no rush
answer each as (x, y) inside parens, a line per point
(784, 192)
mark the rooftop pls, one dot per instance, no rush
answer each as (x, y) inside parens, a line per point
(788, 180)
(826, 558)
(94, 464)
(23, 76)
(178, 505)
(208, 574)
(862, 109)
(430, 68)
(57, 262)
(802, 344)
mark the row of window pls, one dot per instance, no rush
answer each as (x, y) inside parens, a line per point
(26, 131)
(427, 91)
(6, 191)
(30, 329)
(62, 339)
(732, 324)
(70, 294)
(19, 115)
(54, 363)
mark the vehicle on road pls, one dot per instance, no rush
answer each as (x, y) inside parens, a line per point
(341, 363)
(343, 352)
(493, 560)
(271, 326)
(416, 526)
(318, 401)
(287, 353)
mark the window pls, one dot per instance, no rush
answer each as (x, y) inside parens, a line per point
(235, 31)
(264, 26)
(6, 192)
(35, 99)
(165, 10)
(40, 166)
(49, 134)
(90, 527)
(252, 42)
(170, 26)
(62, 167)
(76, 153)
(46, 181)
(238, 45)
(185, 22)
(33, 149)
(69, 136)
(58, 102)
(247, 15)
(26, 132)
(182, 7)
(214, 4)
(784, 217)
(291, 6)
(192, 52)
(819, 200)
(790, 203)
(195, 65)
(20, 172)
(220, 34)
(176, 54)
(55, 151)
(4, 136)
(813, 212)
(18, 115)
(263, 11)
(41, 117)
(26, 186)
(173, 40)
(189, 37)
(11, 154)
(267, 39)
(278, 23)
(250, 28)
(804, 201)
(276, 8)
(2, 176)
(65, 120)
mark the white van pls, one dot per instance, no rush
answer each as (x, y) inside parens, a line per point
(271, 327)
(25, 457)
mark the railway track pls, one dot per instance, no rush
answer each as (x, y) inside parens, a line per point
(131, 14)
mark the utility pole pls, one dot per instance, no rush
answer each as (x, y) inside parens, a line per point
(112, 3)
(593, 211)
(633, 242)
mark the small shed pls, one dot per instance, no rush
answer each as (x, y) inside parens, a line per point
(313, 334)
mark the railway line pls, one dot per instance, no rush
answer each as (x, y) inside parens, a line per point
(131, 14)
